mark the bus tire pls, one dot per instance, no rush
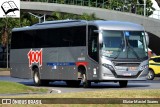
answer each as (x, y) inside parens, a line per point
(123, 83)
(36, 79)
(86, 83)
(73, 83)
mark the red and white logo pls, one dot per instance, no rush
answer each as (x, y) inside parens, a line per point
(35, 57)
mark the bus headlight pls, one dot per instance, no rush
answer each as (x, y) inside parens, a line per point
(110, 67)
(143, 67)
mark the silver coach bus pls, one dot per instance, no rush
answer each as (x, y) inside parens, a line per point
(78, 50)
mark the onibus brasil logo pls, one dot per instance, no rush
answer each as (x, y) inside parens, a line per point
(35, 57)
(10, 8)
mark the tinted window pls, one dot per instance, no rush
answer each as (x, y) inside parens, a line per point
(22, 39)
(61, 37)
(28, 39)
(58, 37)
(17, 40)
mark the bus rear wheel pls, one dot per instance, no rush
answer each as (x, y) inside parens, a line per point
(123, 83)
(36, 79)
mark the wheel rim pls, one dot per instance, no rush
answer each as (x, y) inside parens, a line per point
(36, 79)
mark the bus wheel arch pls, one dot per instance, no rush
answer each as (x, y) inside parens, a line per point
(82, 69)
(34, 67)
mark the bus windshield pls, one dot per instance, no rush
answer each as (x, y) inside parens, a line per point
(123, 44)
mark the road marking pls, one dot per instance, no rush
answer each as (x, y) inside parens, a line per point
(55, 90)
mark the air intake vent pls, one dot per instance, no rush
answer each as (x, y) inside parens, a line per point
(126, 64)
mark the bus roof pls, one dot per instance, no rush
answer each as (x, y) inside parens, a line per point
(101, 24)
(51, 24)
(118, 25)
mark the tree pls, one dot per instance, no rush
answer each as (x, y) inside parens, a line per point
(7, 24)
(149, 8)
(138, 6)
(27, 20)
(63, 16)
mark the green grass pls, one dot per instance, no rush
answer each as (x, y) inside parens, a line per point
(13, 88)
(4, 69)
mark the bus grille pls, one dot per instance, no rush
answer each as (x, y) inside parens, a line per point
(126, 64)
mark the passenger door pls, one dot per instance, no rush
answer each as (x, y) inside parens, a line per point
(93, 47)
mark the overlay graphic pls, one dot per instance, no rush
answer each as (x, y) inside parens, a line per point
(10, 8)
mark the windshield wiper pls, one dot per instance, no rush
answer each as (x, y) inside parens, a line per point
(119, 51)
(130, 47)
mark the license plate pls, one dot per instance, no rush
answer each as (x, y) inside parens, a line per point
(132, 68)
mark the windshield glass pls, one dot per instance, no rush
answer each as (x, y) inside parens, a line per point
(123, 44)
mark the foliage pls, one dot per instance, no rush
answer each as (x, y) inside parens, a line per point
(63, 16)
(86, 16)
(149, 7)
(6, 25)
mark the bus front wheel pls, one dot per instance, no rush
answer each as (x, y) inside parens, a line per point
(86, 83)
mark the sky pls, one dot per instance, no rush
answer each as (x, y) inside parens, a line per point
(156, 13)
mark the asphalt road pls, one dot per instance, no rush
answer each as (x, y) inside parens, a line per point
(61, 87)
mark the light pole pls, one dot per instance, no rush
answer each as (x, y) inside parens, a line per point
(124, 4)
(39, 17)
(144, 7)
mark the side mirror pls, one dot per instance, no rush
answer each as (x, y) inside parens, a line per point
(147, 38)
